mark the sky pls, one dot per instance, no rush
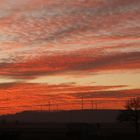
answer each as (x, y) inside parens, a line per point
(59, 52)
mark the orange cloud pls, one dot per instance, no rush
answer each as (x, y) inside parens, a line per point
(20, 96)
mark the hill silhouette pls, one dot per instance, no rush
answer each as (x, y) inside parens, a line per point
(78, 116)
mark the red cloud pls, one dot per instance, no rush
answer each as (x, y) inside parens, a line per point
(82, 61)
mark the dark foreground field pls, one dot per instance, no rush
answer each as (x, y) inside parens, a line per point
(65, 125)
(66, 131)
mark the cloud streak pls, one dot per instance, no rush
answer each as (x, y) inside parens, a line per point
(77, 62)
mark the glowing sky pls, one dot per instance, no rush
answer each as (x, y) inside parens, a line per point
(62, 50)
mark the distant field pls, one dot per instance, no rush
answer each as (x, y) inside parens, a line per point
(85, 116)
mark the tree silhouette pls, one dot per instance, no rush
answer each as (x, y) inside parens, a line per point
(132, 113)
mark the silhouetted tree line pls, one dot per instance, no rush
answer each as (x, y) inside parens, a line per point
(132, 113)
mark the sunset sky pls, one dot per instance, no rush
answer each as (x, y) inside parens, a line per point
(61, 51)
